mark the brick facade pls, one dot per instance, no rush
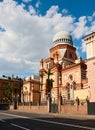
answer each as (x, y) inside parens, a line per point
(16, 85)
(69, 72)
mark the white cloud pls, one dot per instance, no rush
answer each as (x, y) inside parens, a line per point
(88, 31)
(38, 4)
(32, 10)
(80, 27)
(92, 28)
(83, 46)
(64, 11)
(90, 18)
(28, 36)
(52, 11)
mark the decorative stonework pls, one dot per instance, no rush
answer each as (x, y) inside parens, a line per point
(68, 71)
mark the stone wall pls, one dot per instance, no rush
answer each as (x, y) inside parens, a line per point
(64, 109)
(38, 109)
(74, 109)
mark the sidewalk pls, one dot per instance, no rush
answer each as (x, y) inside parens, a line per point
(61, 115)
(81, 117)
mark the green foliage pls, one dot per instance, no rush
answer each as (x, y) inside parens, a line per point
(49, 82)
(48, 73)
(49, 85)
(41, 74)
(7, 92)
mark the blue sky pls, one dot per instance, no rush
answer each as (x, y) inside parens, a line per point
(27, 28)
(76, 8)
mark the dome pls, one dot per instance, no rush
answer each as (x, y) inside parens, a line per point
(62, 37)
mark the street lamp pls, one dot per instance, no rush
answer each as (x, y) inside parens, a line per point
(30, 98)
(59, 95)
(16, 100)
(32, 91)
(22, 95)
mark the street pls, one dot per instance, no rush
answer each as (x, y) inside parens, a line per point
(13, 120)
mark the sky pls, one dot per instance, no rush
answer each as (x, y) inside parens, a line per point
(27, 28)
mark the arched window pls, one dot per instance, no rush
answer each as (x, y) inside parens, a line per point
(68, 91)
(74, 85)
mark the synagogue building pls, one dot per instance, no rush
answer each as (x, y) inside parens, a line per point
(68, 72)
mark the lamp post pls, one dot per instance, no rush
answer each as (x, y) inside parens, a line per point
(30, 99)
(22, 98)
(59, 95)
(40, 97)
(16, 101)
(32, 91)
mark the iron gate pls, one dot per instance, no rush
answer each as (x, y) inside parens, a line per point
(54, 108)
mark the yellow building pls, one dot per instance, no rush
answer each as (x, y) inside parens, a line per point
(30, 91)
(67, 71)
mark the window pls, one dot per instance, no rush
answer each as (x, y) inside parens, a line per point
(89, 50)
(74, 85)
(71, 77)
(48, 65)
(68, 91)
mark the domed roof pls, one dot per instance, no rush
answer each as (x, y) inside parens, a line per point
(62, 37)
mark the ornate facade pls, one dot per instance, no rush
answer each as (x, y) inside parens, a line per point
(68, 71)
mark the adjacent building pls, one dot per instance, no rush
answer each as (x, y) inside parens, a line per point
(11, 85)
(90, 61)
(31, 91)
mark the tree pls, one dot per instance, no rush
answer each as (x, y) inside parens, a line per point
(7, 92)
(41, 76)
(49, 85)
(49, 82)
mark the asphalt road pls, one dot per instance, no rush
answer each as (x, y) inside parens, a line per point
(29, 121)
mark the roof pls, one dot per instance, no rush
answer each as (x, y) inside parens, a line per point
(62, 37)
